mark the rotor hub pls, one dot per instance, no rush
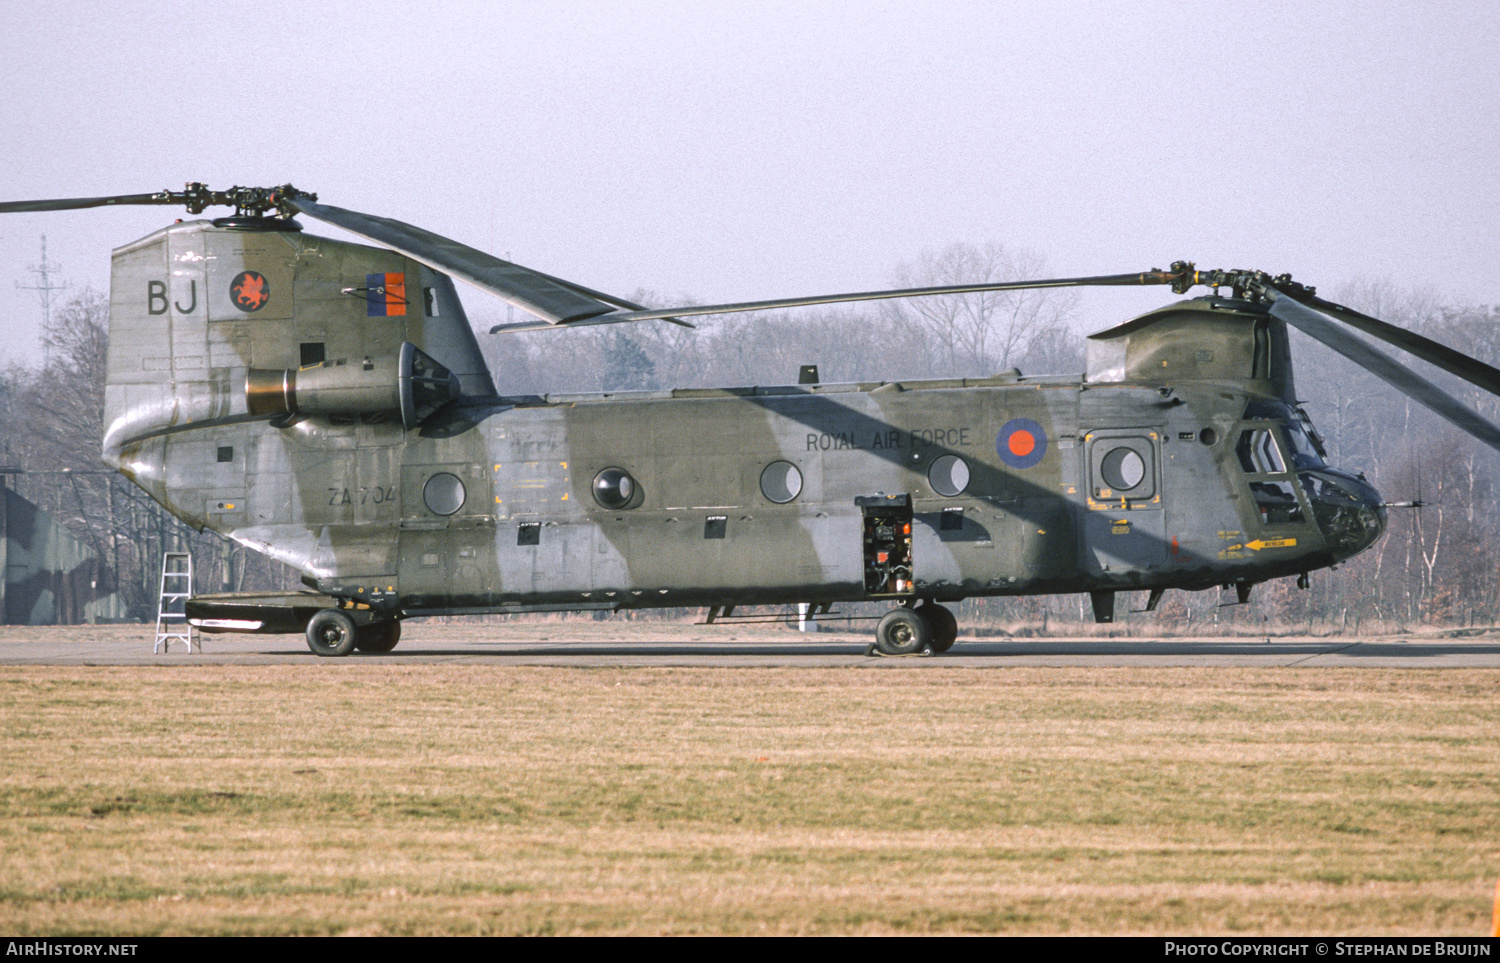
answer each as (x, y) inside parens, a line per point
(246, 201)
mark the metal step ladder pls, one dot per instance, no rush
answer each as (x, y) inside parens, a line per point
(171, 617)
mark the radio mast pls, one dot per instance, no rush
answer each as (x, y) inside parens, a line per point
(44, 287)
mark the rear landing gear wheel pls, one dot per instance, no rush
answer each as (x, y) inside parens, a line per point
(902, 632)
(377, 638)
(943, 625)
(330, 633)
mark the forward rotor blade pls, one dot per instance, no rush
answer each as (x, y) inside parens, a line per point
(528, 290)
(1383, 366)
(76, 203)
(1145, 277)
(1472, 370)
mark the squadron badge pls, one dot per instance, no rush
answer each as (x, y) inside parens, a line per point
(250, 291)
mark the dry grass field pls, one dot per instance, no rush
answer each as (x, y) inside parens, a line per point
(368, 797)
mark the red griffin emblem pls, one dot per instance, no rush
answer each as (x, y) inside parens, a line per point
(249, 291)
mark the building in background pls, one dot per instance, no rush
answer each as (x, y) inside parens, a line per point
(47, 576)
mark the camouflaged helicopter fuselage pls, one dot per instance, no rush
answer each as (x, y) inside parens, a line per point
(1135, 476)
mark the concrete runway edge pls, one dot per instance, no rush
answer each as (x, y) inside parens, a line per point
(583, 643)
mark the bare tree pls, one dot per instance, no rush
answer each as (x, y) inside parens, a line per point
(977, 334)
(53, 427)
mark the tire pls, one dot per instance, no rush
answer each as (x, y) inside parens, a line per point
(902, 632)
(331, 633)
(943, 625)
(377, 638)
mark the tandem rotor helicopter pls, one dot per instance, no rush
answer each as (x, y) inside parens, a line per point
(326, 403)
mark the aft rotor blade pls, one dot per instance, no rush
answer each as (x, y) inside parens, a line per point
(528, 290)
(1383, 366)
(1144, 277)
(597, 295)
(1472, 370)
(77, 203)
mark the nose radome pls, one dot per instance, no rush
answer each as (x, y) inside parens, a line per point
(1349, 510)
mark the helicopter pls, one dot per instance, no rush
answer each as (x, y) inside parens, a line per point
(326, 403)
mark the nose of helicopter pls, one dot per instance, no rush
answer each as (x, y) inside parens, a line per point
(1349, 510)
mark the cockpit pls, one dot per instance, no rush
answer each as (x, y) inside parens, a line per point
(1285, 464)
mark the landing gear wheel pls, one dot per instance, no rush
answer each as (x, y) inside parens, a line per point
(902, 632)
(330, 633)
(378, 637)
(943, 625)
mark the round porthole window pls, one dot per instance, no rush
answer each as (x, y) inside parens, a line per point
(443, 494)
(781, 482)
(614, 488)
(1123, 469)
(949, 475)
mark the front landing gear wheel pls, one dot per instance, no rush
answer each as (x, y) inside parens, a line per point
(377, 637)
(943, 625)
(331, 632)
(902, 632)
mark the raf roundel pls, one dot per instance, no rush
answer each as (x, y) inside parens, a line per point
(1021, 443)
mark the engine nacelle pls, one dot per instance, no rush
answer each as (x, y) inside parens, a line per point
(412, 385)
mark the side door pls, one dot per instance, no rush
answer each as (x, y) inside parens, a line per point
(447, 541)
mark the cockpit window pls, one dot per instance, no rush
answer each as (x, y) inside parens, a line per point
(1313, 438)
(1305, 449)
(1259, 452)
(1259, 409)
(1277, 502)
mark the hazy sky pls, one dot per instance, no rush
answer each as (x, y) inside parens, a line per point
(752, 150)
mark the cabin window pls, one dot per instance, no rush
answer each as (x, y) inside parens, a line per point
(226, 453)
(781, 482)
(615, 489)
(1123, 468)
(949, 475)
(443, 494)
